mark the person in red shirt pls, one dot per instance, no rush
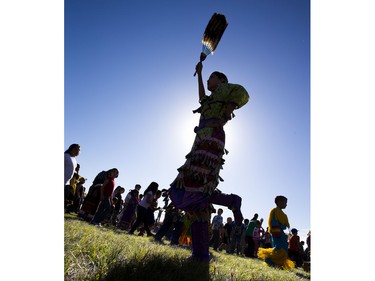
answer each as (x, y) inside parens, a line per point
(293, 248)
(106, 204)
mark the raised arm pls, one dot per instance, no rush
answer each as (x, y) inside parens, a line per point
(201, 89)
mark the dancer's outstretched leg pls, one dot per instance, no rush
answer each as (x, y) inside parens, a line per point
(232, 201)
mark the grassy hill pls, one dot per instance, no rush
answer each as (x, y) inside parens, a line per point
(92, 253)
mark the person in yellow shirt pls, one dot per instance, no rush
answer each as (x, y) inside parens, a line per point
(277, 223)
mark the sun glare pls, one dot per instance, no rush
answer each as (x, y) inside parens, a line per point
(184, 130)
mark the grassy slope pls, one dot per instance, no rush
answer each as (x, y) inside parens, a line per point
(92, 253)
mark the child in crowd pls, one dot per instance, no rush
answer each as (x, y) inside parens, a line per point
(217, 224)
(117, 193)
(237, 232)
(294, 248)
(277, 222)
(226, 234)
(266, 239)
(257, 234)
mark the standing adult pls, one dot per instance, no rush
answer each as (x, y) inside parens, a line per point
(142, 208)
(70, 164)
(195, 187)
(128, 213)
(106, 203)
(91, 201)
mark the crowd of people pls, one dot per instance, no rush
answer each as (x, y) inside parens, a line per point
(140, 213)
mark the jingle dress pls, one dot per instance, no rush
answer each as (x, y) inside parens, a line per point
(199, 176)
(194, 189)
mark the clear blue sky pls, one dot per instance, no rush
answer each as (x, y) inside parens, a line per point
(130, 92)
(48, 102)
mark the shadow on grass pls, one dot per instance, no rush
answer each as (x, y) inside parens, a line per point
(300, 275)
(153, 268)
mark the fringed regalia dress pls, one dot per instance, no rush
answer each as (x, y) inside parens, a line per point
(195, 186)
(278, 255)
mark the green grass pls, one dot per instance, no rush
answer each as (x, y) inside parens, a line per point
(92, 253)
